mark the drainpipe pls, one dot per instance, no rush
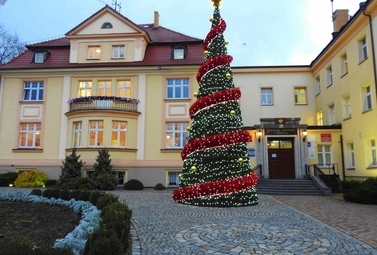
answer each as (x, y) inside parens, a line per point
(363, 6)
(343, 161)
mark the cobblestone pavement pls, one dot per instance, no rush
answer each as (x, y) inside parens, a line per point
(274, 227)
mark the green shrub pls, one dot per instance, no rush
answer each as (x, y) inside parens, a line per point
(14, 248)
(36, 192)
(31, 179)
(46, 193)
(103, 241)
(105, 200)
(8, 178)
(84, 195)
(74, 194)
(364, 192)
(51, 183)
(64, 194)
(94, 196)
(54, 193)
(133, 184)
(82, 183)
(159, 186)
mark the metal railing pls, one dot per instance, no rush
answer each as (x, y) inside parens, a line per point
(104, 104)
(257, 169)
(328, 174)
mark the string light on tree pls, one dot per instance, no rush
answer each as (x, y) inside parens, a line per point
(216, 170)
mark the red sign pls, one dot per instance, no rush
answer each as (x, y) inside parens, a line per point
(325, 137)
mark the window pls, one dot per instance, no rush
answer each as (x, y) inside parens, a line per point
(176, 135)
(118, 134)
(85, 89)
(39, 57)
(173, 178)
(179, 52)
(318, 81)
(351, 155)
(367, 104)
(300, 96)
(120, 175)
(33, 91)
(324, 155)
(96, 133)
(104, 88)
(94, 52)
(30, 135)
(363, 49)
(124, 88)
(177, 88)
(106, 25)
(373, 153)
(266, 96)
(118, 51)
(343, 64)
(319, 118)
(346, 107)
(77, 128)
(329, 76)
(331, 112)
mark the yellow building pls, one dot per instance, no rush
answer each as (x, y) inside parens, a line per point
(127, 87)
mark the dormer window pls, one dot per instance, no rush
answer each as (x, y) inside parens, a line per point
(107, 25)
(179, 52)
(40, 56)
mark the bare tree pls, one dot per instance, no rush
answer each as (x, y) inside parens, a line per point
(10, 46)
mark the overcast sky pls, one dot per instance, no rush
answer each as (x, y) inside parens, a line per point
(260, 32)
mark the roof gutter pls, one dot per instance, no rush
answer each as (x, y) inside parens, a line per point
(363, 7)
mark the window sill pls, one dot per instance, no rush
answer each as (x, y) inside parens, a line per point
(118, 58)
(372, 167)
(347, 118)
(367, 110)
(31, 101)
(343, 75)
(267, 104)
(362, 61)
(301, 104)
(350, 168)
(93, 59)
(171, 150)
(27, 150)
(178, 99)
(99, 148)
(329, 85)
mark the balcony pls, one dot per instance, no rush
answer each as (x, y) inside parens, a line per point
(103, 103)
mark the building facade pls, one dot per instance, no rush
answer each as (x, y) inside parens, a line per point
(111, 83)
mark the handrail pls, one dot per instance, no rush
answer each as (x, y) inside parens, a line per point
(257, 169)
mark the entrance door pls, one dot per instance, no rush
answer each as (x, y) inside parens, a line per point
(281, 158)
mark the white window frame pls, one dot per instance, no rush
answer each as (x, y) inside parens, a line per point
(373, 153)
(178, 88)
(346, 107)
(266, 96)
(97, 130)
(331, 114)
(33, 91)
(324, 155)
(176, 130)
(39, 57)
(351, 155)
(31, 132)
(94, 52)
(124, 88)
(343, 64)
(329, 76)
(85, 89)
(77, 132)
(367, 101)
(179, 53)
(318, 83)
(300, 92)
(104, 88)
(117, 51)
(119, 129)
(173, 179)
(363, 49)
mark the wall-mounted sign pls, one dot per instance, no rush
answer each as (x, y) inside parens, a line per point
(325, 137)
(251, 152)
(281, 131)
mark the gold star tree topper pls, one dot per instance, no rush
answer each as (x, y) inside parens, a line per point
(216, 2)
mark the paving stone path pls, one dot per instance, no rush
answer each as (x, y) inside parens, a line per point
(161, 226)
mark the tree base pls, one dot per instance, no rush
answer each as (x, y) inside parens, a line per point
(242, 198)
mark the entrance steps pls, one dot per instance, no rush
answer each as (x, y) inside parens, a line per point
(288, 187)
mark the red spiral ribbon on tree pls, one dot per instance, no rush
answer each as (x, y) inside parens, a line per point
(212, 63)
(215, 31)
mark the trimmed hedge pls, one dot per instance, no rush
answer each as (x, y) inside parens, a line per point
(363, 192)
(133, 184)
(8, 178)
(159, 186)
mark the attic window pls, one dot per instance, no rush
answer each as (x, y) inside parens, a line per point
(179, 52)
(40, 56)
(106, 25)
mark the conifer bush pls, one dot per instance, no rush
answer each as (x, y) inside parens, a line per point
(8, 178)
(360, 191)
(103, 177)
(71, 171)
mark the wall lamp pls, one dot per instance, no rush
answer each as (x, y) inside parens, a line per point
(259, 135)
(304, 135)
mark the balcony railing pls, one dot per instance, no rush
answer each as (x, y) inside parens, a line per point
(104, 103)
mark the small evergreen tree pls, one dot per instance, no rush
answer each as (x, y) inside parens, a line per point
(71, 171)
(103, 177)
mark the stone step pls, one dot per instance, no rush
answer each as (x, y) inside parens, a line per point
(288, 187)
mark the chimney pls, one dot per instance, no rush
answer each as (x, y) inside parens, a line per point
(339, 19)
(156, 22)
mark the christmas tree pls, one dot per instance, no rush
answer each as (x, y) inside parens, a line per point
(216, 169)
